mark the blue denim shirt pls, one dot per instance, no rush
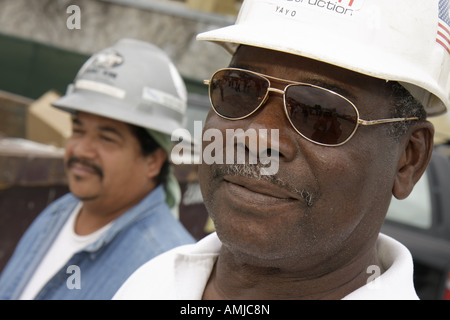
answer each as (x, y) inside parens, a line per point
(140, 234)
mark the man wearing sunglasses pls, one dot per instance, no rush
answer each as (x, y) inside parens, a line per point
(348, 86)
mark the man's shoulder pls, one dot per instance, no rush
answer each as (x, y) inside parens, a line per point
(64, 201)
(186, 263)
(186, 255)
(157, 224)
(63, 205)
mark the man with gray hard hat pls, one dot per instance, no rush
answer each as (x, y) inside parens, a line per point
(122, 210)
(347, 85)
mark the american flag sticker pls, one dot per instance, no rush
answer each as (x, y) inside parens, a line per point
(443, 33)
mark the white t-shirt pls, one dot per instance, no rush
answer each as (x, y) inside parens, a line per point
(182, 274)
(66, 244)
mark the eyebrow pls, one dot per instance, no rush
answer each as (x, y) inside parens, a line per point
(333, 87)
(110, 130)
(76, 120)
(107, 129)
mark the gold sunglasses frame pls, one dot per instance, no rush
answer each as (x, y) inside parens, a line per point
(283, 93)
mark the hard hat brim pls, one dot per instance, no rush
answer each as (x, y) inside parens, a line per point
(113, 108)
(366, 58)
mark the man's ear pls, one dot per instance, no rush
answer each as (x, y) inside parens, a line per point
(416, 153)
(155, 162)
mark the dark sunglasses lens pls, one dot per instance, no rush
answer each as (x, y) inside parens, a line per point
(320, 115)
(236, 94)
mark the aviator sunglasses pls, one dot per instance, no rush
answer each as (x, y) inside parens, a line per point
(319, 115)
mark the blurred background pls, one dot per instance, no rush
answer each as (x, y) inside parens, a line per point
(40, 55)
(38, 52)
(41, 49)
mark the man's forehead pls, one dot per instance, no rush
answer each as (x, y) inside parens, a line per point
(297, 68)
(263, 59)
(84, 118)
(80, 115)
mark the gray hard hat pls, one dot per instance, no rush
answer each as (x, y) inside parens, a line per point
(133, 81)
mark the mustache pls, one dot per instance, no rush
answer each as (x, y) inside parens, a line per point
(254, 171)
(74, 160)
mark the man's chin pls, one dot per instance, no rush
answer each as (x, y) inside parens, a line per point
(84, 196)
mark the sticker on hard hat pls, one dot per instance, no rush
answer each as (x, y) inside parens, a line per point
(161, 98)
(104, 60)
(290, 8)
(100, 88)
(443, 32)
(107, 59)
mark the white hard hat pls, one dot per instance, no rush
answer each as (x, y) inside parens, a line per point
(396, 40)
(133, 81)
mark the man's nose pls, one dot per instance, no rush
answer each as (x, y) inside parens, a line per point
(85, 147)
(274, 129)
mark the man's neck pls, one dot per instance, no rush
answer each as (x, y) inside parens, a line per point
(95, 214)
(98, 211)
(233, 280)
(87, 223)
